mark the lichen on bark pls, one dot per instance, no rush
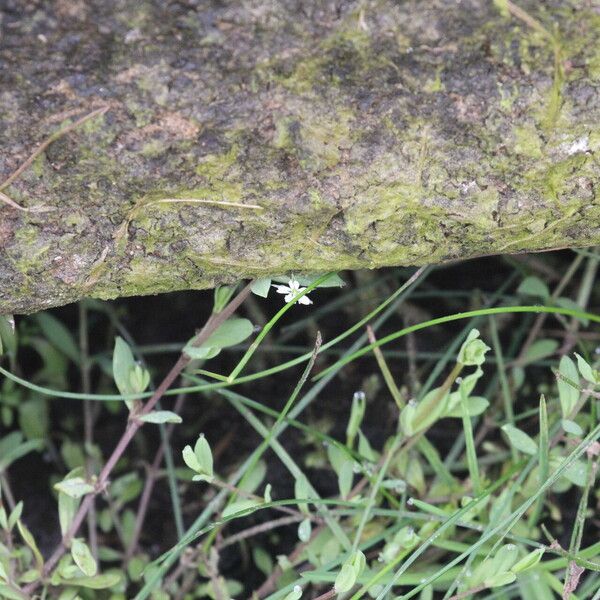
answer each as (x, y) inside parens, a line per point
(352, 134)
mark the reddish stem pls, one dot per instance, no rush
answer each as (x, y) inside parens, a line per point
(133, 425)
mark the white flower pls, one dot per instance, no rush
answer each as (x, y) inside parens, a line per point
(291, 291)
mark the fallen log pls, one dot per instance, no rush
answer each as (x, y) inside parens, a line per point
(155, 146)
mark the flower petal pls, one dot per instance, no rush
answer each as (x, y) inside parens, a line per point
(282, 289)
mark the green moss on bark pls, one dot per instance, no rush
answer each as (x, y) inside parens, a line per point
(402, 133)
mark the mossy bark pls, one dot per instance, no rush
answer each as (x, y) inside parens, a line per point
(343, 134)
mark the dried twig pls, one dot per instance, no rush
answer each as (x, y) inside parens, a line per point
(133, 425)
(52, 138)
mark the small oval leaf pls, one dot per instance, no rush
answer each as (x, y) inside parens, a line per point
(83, 557)
(161, 416)
(520, 440)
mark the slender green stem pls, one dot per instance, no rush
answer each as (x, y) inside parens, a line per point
(457, 317)
(391, 453)
(509, 414)
(470, 443)
(543, 454)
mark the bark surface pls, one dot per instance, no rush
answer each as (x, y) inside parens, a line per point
(237, 139)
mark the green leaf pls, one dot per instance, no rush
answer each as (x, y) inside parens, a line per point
(572, 305)
(33, 418)
(520, 440)
(69, 593)
(505, 558)
(302, 491)
(568, 395)
(238, 506)
(365, 449)
(577, 473)
(161, 416)
(417, 416)
(136, 566)
(571, 427)
(295, 594)
(304, 530)
(345, 579)
(254, 478)
(204, 455)
(337, 457)
(99, 582)
(267, 493)
(126, 488)
(586, 370)
(139, 378)
(408, 418)
(345, 478)
(223, 294)
(123, 364)
(231, 332)
(58, 335)
(262, 560)
(534, 286)
(472, 352)
(8, 337)
(190, 459)
(12, 448)
(83, 557)
(539, 350)
(201, 353)
(476, 405)
(261, 287)
(75, 487)
(72, 454)
(350, 572)
(10, 593)
(359, 561)
(500, 579)
(357, 413)
(67, 508)
(30, 541)
(15, 515)
(528, 561)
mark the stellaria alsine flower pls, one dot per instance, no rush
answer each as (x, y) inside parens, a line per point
(292, 290)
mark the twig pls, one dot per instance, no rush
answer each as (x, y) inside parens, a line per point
(37, 209)
(52, 138)
(151, 477)
(467, 593)
(262, 528)
(329, 594)
(204, 201)
(133, 425)
(530, 21)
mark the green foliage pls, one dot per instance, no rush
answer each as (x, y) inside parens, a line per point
(231, 332)
(435, 478)
(199, 459)
(130, 377)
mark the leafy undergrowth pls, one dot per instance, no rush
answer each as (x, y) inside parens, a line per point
(426, 433)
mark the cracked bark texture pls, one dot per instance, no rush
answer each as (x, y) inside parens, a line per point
(368, 133)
